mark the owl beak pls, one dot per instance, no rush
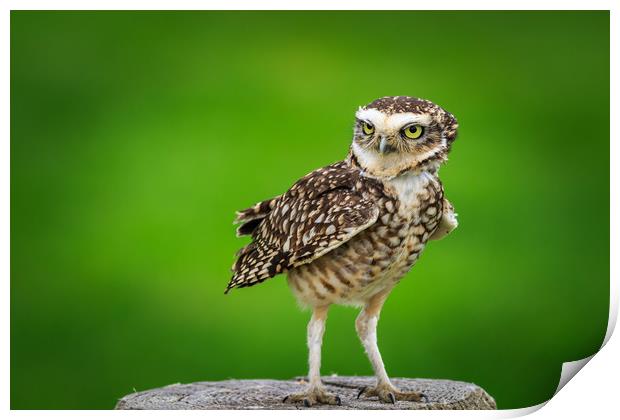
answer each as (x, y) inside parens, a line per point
(385, 147)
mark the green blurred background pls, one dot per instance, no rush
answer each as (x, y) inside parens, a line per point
(136, 135)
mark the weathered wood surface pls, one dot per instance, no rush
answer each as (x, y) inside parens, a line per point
(268, 394)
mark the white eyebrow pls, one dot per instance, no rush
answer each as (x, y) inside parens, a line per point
(398, 121)
(377, 118)
(390, 123)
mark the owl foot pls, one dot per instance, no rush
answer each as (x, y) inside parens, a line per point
(313, 396)
(389, 394)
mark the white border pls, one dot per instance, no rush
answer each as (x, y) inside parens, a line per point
(591, 395)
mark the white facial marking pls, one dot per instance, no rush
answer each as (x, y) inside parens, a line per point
(374, 162)
(397, 121)
(426, 155)
(389, 124)
(366, 157)
(371, 115)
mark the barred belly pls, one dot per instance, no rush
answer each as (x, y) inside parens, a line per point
(376, 259)
(372, 262)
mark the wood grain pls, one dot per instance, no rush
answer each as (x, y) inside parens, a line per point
(251, 394)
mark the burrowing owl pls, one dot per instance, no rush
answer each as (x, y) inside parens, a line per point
(347, 233)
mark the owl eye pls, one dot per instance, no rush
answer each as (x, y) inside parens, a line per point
(368, 128)
(413, 131)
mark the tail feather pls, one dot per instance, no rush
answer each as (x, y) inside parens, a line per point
(250, 218)
(254, 265)
(253, 262)
(258, 210)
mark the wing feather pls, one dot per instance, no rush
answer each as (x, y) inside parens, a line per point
(249, 219)
(319, 213)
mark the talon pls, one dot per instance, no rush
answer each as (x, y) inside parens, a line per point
(361, 392)
(285, 398)
(392, 398)
(307, 403)
(338, 400)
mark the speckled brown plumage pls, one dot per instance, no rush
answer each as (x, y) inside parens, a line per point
(322, 212)
(348, 233)
(318, 213)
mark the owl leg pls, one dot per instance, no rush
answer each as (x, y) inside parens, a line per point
(315, 393)
(366, 325)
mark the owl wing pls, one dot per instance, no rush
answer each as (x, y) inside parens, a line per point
(250, 219)
(447, 223)
(319, 213)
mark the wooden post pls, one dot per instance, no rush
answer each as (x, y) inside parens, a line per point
(248, 394)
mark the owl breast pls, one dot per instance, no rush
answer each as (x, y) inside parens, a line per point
(377, 258)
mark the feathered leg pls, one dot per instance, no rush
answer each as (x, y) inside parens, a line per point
(366, 325)
(315, 393)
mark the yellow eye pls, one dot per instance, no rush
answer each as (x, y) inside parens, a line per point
(368, 128)
(413, 131)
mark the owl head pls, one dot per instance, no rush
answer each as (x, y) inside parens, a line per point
(398, 134)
